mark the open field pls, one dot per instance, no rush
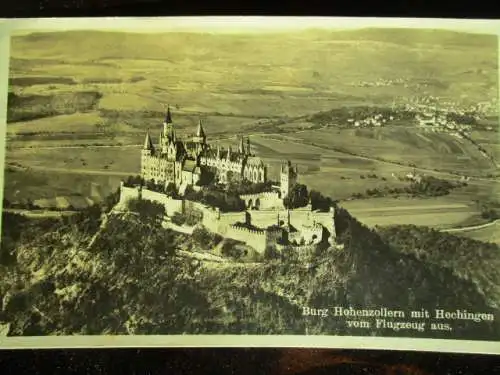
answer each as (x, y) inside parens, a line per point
(439, 212)
(118, 159)
(427, 150)
(40, 184)
(488, 234)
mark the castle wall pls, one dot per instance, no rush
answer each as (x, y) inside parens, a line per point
(127, 194)
(265, 218)
(266, 200)
(301, 219)
(223, 223)
(327, 220)
(253, 238)
(171, 205)
(219, 223)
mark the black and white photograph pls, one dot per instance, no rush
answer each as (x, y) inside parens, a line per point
(251, 177)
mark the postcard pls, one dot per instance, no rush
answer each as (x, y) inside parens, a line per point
(250, 181)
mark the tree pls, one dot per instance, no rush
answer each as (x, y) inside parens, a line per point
(319, 201)
(204, 238)
(147, 210)
(298, 197)
(151, 185)
(6, 203)
(171, 190)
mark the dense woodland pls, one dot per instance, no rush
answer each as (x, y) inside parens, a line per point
(122, 273)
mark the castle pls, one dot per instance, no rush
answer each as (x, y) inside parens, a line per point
(264, 223)
(189, 162)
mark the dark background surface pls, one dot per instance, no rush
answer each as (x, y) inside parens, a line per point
(242, 361)
(396, 8)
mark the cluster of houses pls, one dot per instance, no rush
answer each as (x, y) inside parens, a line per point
(374, 120)
(438, 121)
(381, 82)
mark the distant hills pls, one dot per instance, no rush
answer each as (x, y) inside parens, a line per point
(211, 65)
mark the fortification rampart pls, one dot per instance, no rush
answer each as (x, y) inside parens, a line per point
(263, 201)
(127, 194)
(309, 224)
(259, 239)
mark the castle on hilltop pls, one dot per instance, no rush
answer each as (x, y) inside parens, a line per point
(262, 222)
(187, 162)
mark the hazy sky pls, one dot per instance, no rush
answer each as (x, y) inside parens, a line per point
(240, 24)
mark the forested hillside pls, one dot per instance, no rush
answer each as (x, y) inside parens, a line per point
(123, 274)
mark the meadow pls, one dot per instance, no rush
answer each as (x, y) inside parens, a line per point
(487, 234)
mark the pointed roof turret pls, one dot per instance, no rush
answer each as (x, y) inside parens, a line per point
(148, 143)
(168, 116)
(200, 132)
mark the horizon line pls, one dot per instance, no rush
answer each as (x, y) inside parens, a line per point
(241, 24)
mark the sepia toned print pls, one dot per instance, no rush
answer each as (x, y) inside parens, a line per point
(317, 181)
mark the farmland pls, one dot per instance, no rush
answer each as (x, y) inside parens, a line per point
(76, 114)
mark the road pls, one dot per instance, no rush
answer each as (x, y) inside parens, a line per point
(37, 214)
(76, 147)
(101, 172)
(473, 227)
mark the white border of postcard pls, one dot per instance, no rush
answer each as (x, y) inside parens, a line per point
(228, 24)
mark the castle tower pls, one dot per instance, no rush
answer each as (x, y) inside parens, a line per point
(242, 147)
(168, 127)
(146, 153)
(200, 139)
(288, 178)
(148, 144)
(248, 146)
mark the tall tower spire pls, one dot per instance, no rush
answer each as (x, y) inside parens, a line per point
(168, 116)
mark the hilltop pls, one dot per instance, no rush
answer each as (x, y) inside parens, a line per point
(126, 275)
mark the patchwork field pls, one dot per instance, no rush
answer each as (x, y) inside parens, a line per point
(427, 150)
